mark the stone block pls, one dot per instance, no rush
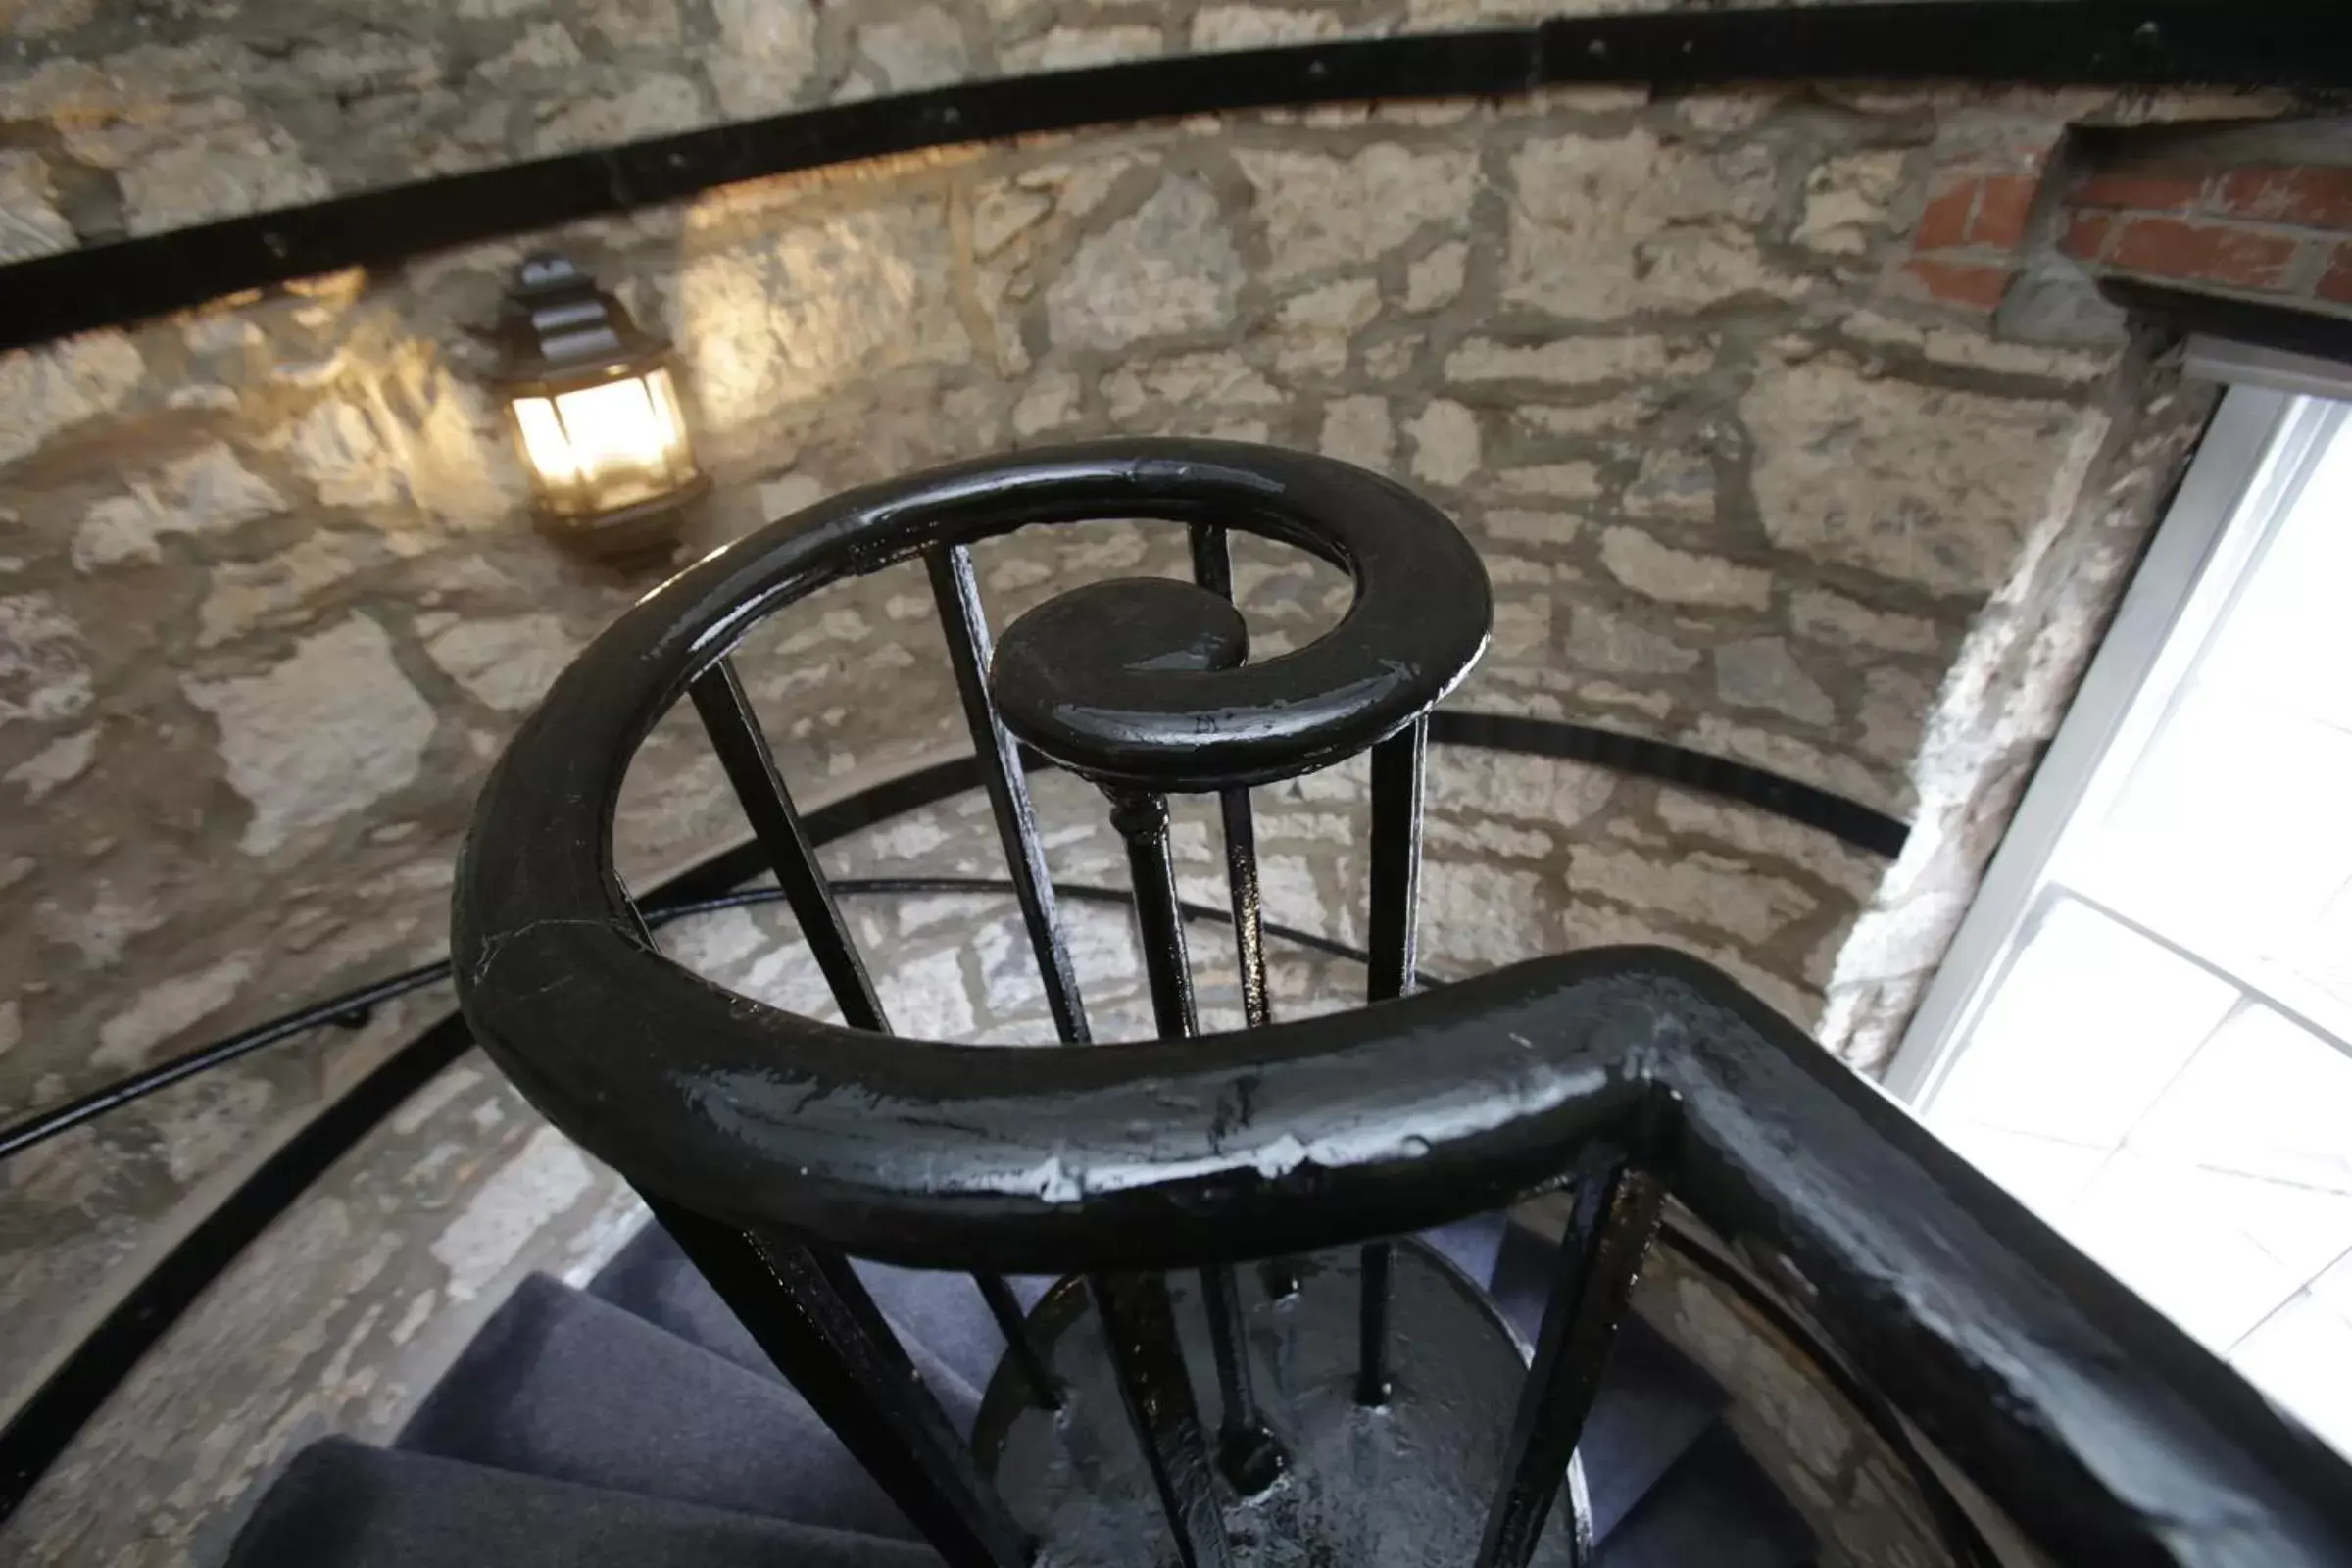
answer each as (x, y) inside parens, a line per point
(284, 587)
(1321, 211)
(1435, 279)
(44, 674)
(206, 492)
(1921, 484)
(1846, 199)
(766, 51)
(1761, 673)
(1696, 886)
(1244, 26)
(1828, 616)
(319, 736)
(1681, 577)
(1600, 641)
(1068, 48)
(30, 222)
(506, 662)
(1577, 361)
(1359, 430)
(1214, 380)
(165, 1009)
(1608, 225)
(46, 390)
(923, 48)
(1445, 445)
(1672, 485)
(1171, 266)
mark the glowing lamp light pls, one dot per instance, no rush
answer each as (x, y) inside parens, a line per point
(597, 415)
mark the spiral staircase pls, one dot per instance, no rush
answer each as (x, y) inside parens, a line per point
(637, 1422)
(1250, 1297)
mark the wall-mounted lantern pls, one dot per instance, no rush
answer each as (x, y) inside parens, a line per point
(597, 415)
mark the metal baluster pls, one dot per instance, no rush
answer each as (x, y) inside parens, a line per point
(1246, 1448)
(812, 1316)
(743, 750)
(1610, 1231)
(1397, 770)
(1139, 1327)
(965, 624)
(1006, 1309)
(750, 768)
(1212, 568)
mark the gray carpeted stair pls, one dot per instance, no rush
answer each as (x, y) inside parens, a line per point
(638, 1423)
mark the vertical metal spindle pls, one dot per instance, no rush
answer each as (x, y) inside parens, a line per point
(1397, 769)
(1139, 1325)
(812, 1316)
(1610, 1231)
(1212, 569)
(1006, 1309)
(743, 750)
(1246, 1448)
(750, 768)
(965, 625)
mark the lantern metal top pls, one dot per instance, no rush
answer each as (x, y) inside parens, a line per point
(558, 329)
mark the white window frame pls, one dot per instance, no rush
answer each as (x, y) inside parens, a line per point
(2275, 418)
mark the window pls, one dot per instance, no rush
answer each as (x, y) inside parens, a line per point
(2144, 1027)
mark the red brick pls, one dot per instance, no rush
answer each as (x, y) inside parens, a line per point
(1943, 227)
(2147, 193)
(2205, 252)
(2336, 283)
(2086, 235)
(2315, 198)
(1973, 285)
(2003, 204)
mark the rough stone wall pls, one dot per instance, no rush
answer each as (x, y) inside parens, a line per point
(343, 1315)
(268, 608)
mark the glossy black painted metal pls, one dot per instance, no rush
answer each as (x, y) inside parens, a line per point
(2102, 1430)
(964, 623)
(1609, 1229)
(1006, 1309)
(812, 1316)
(1399, 764)
(2152, 44)
(1139, 1329)
(1212, 569)
(750, 768)
(1246, 1451)
(1406, 1483)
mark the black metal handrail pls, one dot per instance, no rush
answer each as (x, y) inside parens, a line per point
(770, 1143)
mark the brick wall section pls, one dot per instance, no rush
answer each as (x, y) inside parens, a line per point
(2281, 234)
(1966, 249)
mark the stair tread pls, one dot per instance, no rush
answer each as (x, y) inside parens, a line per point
(1653, 1404)
(1716, 1506)
(346, 1504)
(562, 1385)
(1655, 1401)
(651, 1278)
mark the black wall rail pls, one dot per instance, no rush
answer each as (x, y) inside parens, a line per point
(2025, 42)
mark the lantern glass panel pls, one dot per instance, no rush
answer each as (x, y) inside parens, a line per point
(597, 447)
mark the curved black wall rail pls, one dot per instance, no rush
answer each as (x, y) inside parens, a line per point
(2156, 43)
(40, 1430)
